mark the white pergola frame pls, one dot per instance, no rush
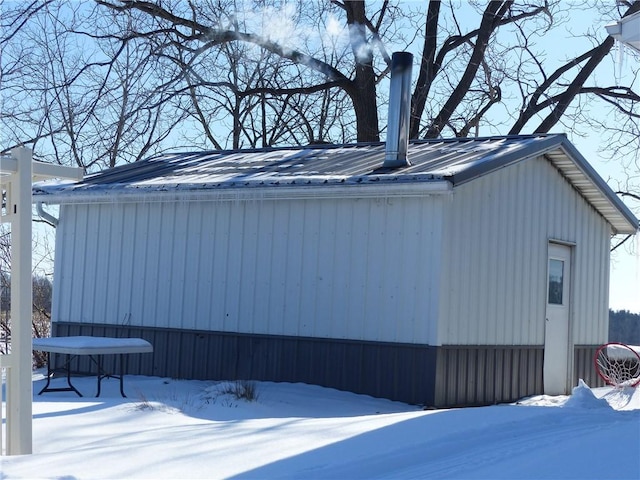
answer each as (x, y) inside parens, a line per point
(17, 173)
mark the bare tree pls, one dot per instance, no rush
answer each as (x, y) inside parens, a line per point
(121, 79)
(5, 290)
(465, 70)
(126, 78)
(197, 29)
(42, 295)
(73, 95)
(117, 80)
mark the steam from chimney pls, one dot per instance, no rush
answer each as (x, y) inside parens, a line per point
(399, 111)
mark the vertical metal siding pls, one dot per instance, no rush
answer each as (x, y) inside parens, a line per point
(584, 367)
(591, 283)
(363, 269)
(155, 274)
(60, 262)
(401, 372)
(128, 291)
(497, 231)
(481, 375)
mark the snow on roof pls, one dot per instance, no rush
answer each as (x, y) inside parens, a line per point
(450, 161)
(430, 161)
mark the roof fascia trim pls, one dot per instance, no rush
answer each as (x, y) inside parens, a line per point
(417, 189)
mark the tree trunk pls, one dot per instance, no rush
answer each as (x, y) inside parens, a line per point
(428, 69)
(363, 92)
(490, 19)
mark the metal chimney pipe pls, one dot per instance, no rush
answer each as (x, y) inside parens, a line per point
(399, 111)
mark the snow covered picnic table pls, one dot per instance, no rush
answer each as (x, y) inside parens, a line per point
(95, 348)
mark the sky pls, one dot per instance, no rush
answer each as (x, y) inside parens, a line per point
(178, 429)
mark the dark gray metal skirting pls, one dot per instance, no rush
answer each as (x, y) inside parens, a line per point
(420, 374)
(485, 374)
(401, 372)
(584, 367)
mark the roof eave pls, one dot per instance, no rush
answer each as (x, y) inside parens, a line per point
(626, 30)
(403, 189)
(591, 185)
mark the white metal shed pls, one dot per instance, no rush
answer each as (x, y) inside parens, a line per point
(478, 273)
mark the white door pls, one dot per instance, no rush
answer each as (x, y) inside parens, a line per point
(556, 333)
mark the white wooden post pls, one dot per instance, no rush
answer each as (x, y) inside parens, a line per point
(19, 383)
(17, 173)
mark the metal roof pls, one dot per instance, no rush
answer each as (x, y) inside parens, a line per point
(433, 162)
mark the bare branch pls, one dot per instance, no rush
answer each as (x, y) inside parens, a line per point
(494, 12)
(214, 37)
(23, 16)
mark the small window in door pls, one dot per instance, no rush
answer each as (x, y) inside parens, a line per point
(556, 281)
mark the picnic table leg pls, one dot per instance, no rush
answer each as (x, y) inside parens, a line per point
(68, 363)
(99, 364)
(50, 372)
(103, 374)
(122, 357)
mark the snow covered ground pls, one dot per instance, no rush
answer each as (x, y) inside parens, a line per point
(188, 429)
